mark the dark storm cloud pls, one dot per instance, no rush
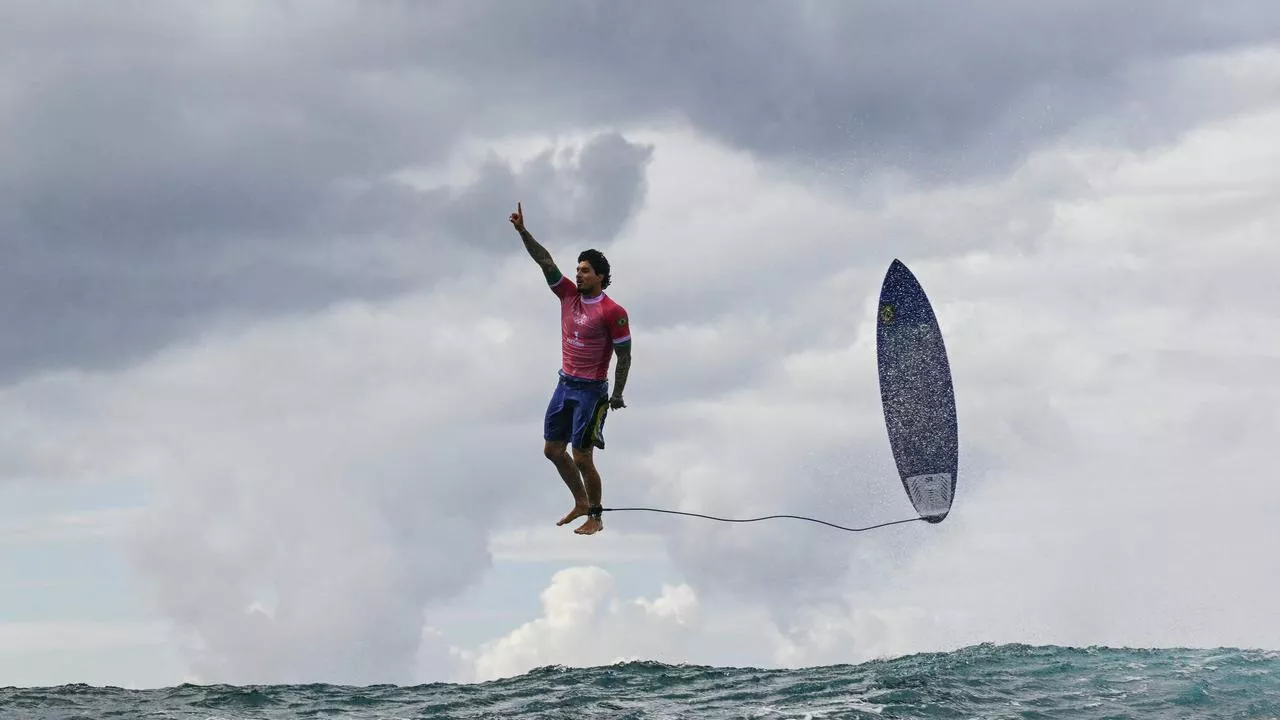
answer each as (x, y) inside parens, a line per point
(155, 178)
(948, 88)
(165, 164)
(582, 195)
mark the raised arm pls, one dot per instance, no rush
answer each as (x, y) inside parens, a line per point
(536, 251)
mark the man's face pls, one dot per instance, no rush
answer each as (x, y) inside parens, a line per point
(588, 280)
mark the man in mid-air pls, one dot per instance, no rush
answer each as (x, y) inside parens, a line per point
(592, 328)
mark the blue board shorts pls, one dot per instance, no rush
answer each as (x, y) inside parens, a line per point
(576, 412)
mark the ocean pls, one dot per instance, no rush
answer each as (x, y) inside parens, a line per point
(983, 681)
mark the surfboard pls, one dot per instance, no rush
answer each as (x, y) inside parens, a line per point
(916, 394)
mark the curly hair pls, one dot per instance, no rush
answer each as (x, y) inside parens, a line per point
(599, 263)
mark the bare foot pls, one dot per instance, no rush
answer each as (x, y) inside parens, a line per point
(578, 511)
(592, 526)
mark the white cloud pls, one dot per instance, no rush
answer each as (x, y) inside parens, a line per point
(585, 622)
(547, 543)
(343, 485)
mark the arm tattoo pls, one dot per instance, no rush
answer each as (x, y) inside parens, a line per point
(540, 255)
(622, 368)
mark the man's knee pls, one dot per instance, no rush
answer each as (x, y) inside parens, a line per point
(582, 457)
(554, 449)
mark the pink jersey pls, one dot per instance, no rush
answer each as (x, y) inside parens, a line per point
(589, 329)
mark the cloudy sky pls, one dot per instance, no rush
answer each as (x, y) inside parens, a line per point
(275, 363)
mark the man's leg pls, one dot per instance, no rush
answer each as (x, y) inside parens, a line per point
(588, 427)
(557, 432)
(584, 459)
(556, 451)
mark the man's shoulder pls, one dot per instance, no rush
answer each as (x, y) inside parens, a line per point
(608, 303)
(612, 309)
(562, 286)
(615, 316)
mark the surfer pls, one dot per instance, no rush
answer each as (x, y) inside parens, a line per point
(592, 328)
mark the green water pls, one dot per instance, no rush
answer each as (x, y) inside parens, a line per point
(986, 681)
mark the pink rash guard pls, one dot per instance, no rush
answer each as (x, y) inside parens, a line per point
(589, 328)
